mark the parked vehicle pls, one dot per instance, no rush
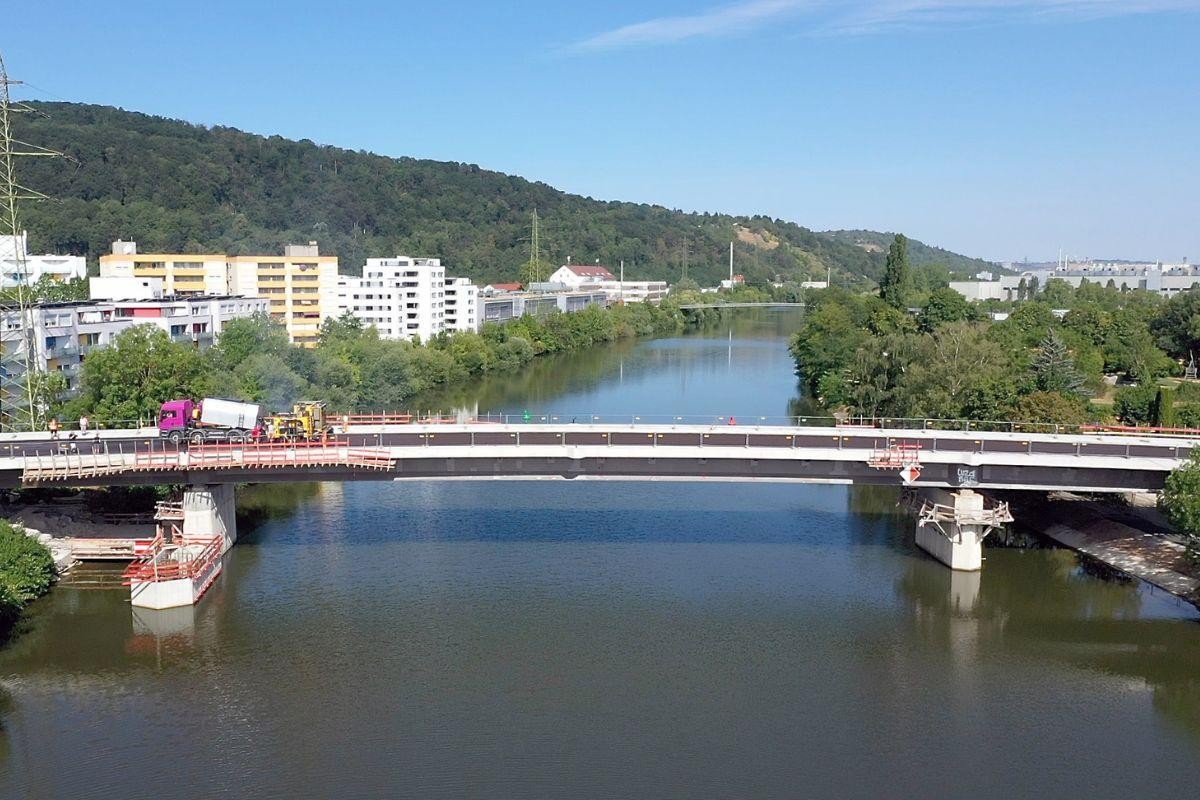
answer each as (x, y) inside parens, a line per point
(210, 420)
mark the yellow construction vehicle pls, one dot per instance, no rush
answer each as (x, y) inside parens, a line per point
(305, 423)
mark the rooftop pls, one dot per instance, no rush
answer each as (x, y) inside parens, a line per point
(592, 271)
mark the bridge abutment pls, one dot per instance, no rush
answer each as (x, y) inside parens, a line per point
(208, 512)
(951, 526)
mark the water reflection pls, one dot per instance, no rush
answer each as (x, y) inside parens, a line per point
(1042, 604)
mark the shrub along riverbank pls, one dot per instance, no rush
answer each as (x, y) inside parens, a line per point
(351, 367)
(26, 572)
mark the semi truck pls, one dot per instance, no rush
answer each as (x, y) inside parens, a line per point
(209, 420)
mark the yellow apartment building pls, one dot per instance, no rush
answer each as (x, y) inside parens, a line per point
(182, 275)
(301, 285)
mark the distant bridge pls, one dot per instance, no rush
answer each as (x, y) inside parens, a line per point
(695, 306)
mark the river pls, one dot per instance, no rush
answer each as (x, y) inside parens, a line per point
(624, 640)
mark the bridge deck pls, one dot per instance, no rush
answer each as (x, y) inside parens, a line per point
(1099, 462)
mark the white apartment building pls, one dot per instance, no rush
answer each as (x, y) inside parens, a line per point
(462, 305)
(20, 267)
(64, 333)
(300, 286)
(407, 298)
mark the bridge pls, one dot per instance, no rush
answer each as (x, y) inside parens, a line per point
(948, 466)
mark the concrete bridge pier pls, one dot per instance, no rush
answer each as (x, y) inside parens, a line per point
(208, 511)
(951, 526)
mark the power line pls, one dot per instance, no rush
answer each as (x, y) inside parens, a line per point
(31, 382)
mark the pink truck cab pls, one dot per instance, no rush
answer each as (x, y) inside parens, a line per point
(175, 416)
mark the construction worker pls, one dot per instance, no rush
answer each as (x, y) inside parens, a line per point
(83, 423)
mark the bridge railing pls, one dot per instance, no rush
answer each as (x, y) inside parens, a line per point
(800, 421)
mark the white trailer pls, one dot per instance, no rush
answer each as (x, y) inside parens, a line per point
(224, 421)
(231, 414)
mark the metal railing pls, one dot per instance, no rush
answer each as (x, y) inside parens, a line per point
(331, 453)
(176, 561)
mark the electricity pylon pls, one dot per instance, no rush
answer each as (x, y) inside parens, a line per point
(31, 409)
(532, 271)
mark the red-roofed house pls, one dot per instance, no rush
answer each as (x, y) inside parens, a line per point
(496, 288)
(578, 275)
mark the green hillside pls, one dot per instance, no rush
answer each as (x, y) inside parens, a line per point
(177, 187)
(919, 254)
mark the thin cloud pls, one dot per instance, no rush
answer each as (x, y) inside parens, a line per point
(862, 16)
(718, 22)
(874, 15)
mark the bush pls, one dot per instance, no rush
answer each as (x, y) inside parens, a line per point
(26, 572)
(1181, 502)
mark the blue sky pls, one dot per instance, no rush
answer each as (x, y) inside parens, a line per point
(999, 128)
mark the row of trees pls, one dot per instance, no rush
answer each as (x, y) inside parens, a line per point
(351, 367)
(872, 356)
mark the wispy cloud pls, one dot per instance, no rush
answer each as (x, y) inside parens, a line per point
(723, 21)
(861, 16)
(874, 15)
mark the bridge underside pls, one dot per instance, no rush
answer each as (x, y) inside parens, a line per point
(1031, 477)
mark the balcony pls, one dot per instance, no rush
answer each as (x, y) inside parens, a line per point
(64, 350)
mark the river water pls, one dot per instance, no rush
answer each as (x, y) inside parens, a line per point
(623, 640)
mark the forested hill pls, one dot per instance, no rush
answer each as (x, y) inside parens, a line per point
(177, 187)
(919, 253)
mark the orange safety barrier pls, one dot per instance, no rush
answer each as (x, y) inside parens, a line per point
(299, 454)
(373, 419)
(148, 568)
(897, 456)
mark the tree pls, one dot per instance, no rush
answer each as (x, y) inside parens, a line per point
(945, 305)
(896, 284)
(1164, 408)
(1054, 367)
(1134, 405)
(957, 373)
(1181, 502)
(1057, 293)
(1051, 408)
(248, 336)
(130, 379)
(827, 341)
(1022, 290)
(1177, 325)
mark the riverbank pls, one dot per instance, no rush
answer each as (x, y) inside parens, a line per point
(1138, 544)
